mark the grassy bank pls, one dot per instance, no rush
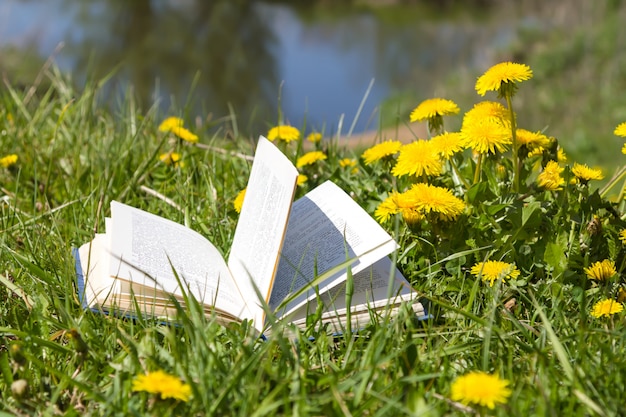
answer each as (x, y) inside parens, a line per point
(577, 51)
(536, 328)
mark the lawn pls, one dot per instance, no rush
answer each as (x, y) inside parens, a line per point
(515, 248)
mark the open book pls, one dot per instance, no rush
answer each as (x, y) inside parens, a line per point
(294, 254)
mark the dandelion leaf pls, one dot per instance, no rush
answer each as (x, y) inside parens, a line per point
(531, 214)
(555, 254)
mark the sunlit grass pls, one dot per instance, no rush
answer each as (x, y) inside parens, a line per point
(534, 329)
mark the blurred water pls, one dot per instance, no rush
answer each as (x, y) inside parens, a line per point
(315, 64)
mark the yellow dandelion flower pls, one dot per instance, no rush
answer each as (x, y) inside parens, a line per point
(601, 270)
(532, 140)
(622, 236)
(428, 199)
(411, 217)
(387, 208)
(417, 158)
(419, 201)
(494, 270)
(447, 144)
(163, 384)
(585, 174)
(620, 130)
(314, 137)
(624, 149)
(175, 125)
(170, 123)
(480, 388)
(433, 107)
(238, 202)
(535, 152)
(381, 150)
(8, 160)
(310, 158)
(302, 179)
(561, 156)
(485, 135)
(488, 110)
(283, 132)
(184, 134)
(347, 162)
(501, 76)
(550, 178)
(606, 308)
(398, 203)
(171, 158)
(407, 206)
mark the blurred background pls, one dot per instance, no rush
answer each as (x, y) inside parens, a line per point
(314, 64)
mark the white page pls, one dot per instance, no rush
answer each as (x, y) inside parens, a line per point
(94, 262)
(262, 223)
(154, 245)
(321, 224)
(370, 288)
(336, 319)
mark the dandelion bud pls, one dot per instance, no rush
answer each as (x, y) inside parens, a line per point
(79, 344)
(16, 350)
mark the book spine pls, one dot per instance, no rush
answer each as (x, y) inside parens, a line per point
(80, 278)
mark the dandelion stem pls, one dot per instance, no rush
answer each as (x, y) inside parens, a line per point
(514, 145)
(572, 230)
(616, 178)
(478, 168)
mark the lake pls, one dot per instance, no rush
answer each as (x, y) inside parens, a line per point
(305, 62)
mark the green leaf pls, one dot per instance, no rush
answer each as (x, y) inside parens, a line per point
(453, 267)
(555, 254)
(495, 208)
(477, 192)
(531, 214)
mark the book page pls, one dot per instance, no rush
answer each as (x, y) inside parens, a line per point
(370, 288)
(326, 228)
(262, 223)
(337, 320)
(146, 249)
(97, 284)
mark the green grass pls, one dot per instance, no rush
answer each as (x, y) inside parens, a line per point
(535, 331)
